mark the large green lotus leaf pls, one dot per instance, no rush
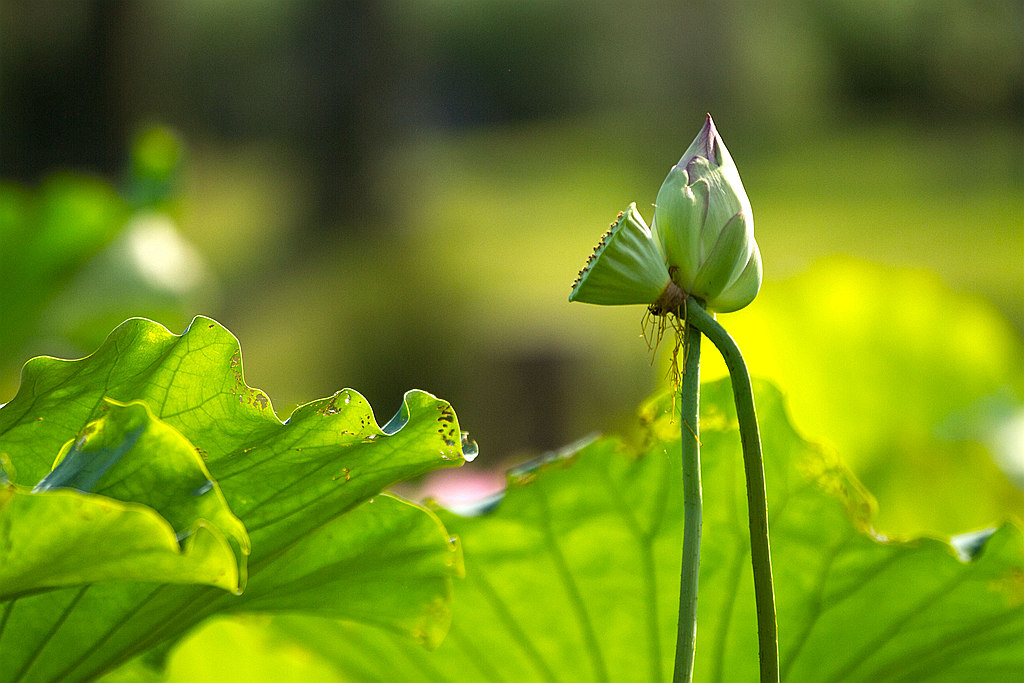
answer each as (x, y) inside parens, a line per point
(387, 562)
(288, 483)
(65, 538)
(158, 515)
(363, 586)
(232, 650)
(573, 576)
(131, 455)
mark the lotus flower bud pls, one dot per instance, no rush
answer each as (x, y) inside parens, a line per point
(700, 244)
(704, 224)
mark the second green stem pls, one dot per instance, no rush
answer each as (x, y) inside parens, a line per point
(689, 398)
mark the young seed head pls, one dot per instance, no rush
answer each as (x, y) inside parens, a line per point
(627, 266)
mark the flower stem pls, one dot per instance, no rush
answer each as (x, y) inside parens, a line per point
(689, 391)
(757, 504)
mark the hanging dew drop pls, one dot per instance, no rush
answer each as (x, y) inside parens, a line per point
(469, 448)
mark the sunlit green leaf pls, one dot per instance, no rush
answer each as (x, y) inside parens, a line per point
(157, 515)
(290, 484)
(233, 650)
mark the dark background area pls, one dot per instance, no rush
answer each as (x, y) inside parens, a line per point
(376, 188)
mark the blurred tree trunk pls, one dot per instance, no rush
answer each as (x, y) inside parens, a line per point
(349, 76)
(58, 87)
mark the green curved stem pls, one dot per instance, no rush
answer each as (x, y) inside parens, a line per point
(689, 394)
(757, 504)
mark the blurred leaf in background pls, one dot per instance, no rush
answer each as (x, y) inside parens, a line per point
(47, 235)
(155, 168)
(80, 257)
(920, 388)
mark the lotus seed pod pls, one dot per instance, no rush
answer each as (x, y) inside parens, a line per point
(627, 266)
(704, 224)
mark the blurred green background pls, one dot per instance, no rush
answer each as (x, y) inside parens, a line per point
(388, 195)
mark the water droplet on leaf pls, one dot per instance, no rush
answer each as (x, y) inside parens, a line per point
(205, 487)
